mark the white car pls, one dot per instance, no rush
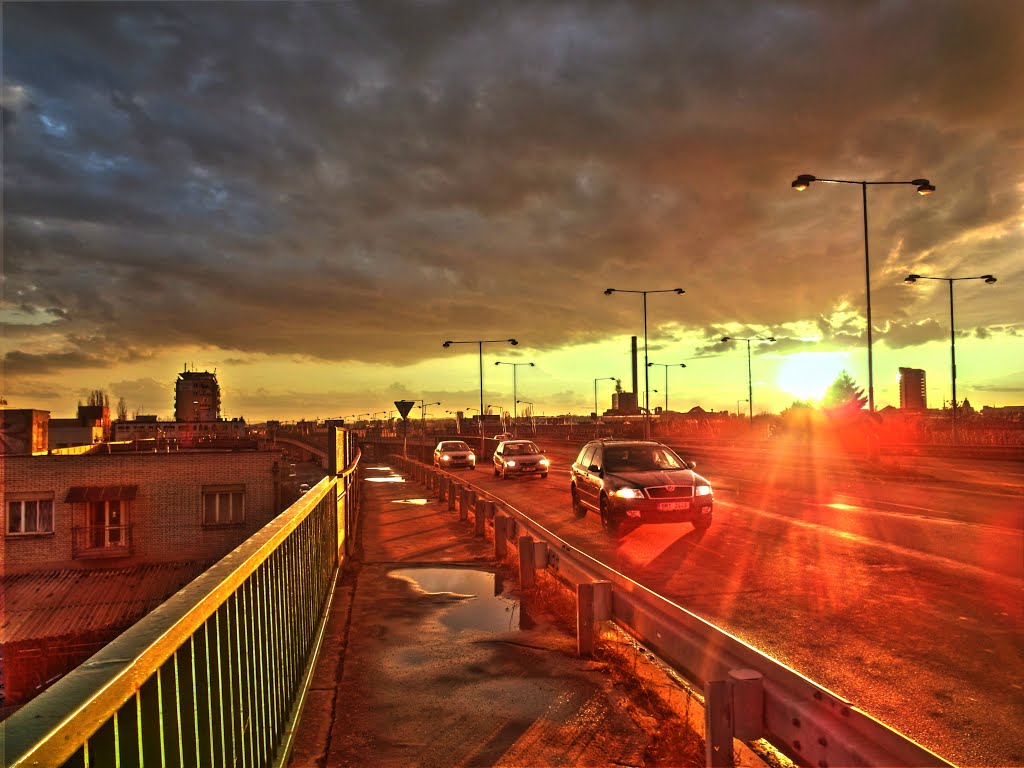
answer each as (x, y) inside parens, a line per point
(303, 488)
(454, 453)
(520, 457)
(503, 436)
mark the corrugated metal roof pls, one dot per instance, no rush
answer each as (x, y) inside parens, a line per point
(60, 603)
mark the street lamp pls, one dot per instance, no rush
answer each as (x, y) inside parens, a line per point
(924, 187)
(750, 380)
(989, 279)
(533, 416)
(423, 415)
(738, 405)
(480, 346)
(603, 378)
(647, 410)
(515, 415)
(666, 366)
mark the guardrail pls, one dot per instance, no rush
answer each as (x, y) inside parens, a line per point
(800, 718)
(217, 674)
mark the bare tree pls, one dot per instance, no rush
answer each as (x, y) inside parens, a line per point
(99, 397)
(122, 409)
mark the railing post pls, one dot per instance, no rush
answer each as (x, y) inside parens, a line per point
(480, 516)
(464, 504)
(527, 568)
(442, 487)
(453, 489)
(500, 536)
(747, 703)
(585, 620)
(602, 600)
(718, 724)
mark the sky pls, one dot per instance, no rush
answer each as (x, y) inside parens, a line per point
(310, 198)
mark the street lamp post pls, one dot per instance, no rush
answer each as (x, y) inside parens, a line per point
(480, 346)
(666, 366)
(924, 187)
(750, 378)
(738, 405)
(603, 378)
(515, 415)
(989, 279)
(533, 416)
(647, 409)
(423, 415)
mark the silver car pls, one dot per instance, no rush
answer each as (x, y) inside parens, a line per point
(520, 457)
(454, 453)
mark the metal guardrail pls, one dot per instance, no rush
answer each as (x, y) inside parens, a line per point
(802, 719)
(217, 674)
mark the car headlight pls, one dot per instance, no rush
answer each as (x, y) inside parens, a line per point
(446, 458)
(510, 463)
(702, 490)
(545, 463)
(629, 493)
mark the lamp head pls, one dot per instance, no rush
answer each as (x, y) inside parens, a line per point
(679, 290)
(446, 344)
(988, 279)
(609, 291)
(726, 338)
(682, 365)
(924, 187)
(771, 339)
(513, 342)
(802, 182)
(531, 365)
(910, 279)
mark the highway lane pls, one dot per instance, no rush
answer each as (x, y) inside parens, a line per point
(915, 615)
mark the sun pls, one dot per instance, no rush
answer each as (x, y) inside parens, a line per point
(807, 375)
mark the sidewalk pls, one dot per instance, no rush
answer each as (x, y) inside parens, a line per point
(415, 675)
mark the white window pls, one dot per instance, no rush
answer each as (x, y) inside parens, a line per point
(223, 505)
(28, 516)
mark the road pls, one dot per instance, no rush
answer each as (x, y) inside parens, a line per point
(898, 586)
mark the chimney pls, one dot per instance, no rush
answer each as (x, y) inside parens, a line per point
(634, 369)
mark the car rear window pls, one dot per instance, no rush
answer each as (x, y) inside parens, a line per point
(454, 447)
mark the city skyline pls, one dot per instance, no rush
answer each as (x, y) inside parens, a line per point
(310, 199)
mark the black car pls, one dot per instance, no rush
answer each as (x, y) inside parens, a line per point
(638, 481)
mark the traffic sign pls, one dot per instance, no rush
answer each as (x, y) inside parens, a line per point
(404, 406)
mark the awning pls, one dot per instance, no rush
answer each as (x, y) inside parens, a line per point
(83, 493)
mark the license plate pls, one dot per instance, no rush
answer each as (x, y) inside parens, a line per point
(673, 506)
(529, 469)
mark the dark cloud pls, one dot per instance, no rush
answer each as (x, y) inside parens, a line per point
(353, 180)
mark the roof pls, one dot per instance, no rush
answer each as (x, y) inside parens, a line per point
(82, 493)
(49, 604)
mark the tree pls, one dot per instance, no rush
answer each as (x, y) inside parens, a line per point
(122, 409)
(99, 397)
(843, 395)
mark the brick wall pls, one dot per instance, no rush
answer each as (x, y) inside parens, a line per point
(166, 516)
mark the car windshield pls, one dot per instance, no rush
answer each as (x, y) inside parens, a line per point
(640, 458)
(520, 449)
(454, 447)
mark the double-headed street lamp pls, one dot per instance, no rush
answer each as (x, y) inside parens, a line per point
(666, 366)
(924, 187)
(533, 416)
(515, 414)
(647, 409)
(480, 346)
(989, 279)
(603, 378)
(423, 415)
(750, 379)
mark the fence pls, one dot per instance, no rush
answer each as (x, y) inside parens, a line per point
(216, 675)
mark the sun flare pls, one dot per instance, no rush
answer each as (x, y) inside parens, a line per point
(807, 375)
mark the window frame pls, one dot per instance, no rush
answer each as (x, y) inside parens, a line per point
(219, 492)
(22, 499)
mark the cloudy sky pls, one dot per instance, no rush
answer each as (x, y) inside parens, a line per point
(309, 198)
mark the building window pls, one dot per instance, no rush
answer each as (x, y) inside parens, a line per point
(224, 505)
(29, 516)
(106, 527)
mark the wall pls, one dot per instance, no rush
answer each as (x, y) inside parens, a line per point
(166, 515)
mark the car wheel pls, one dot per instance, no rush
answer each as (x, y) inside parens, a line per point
(496, 473)
(609, 520)
(544, 476)
(504, 473)
(472, 466)
(703, 522)
(577, 507)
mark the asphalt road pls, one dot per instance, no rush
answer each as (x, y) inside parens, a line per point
(898, 586)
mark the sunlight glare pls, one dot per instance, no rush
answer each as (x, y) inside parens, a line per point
(807, 375)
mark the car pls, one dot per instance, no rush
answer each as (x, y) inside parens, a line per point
(631, 482)
(519, 457)
(303, 488)
(504, 436)
(454, 453)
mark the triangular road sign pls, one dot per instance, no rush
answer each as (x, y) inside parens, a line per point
(404, 406)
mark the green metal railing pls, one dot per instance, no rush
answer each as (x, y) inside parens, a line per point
(215, 676)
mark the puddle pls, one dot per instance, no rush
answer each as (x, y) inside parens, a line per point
(477, 599)
(415, 502)
(389, 478)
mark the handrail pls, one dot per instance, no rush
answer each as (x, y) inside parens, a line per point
(213, 675)
(802, 719)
